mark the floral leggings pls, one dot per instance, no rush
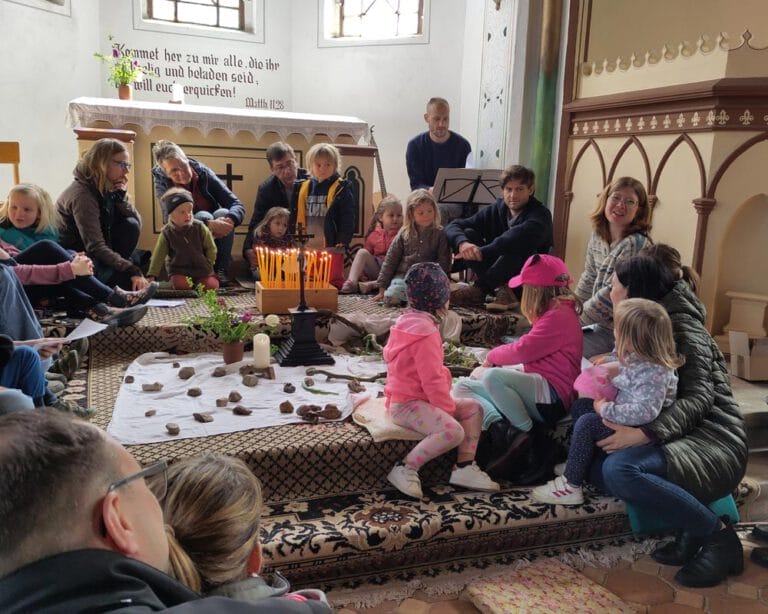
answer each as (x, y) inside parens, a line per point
(443, 431)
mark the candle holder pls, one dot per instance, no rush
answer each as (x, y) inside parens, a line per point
(302, 348)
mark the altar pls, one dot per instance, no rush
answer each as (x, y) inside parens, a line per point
(230, 141)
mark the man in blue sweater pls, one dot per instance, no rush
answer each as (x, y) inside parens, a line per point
(435, 149)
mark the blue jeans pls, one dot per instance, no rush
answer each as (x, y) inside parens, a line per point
(638, 476)
(23, 372)
(223, 245)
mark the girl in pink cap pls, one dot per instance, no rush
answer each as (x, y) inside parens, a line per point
(528, 384)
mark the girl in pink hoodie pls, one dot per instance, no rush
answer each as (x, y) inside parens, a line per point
(418, 390)
(524, 398)
(384, 226)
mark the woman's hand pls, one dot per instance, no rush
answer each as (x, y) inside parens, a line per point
(599, 404)
(220, 227)
(139, 282)
(4, 255)
(598, 359)
(379, 296)
(81, 265)
(624, 437)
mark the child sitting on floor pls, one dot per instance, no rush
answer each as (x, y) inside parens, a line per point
(522, 405)
(269, 233)
(421, 239)
(212, 506)
(418, 389)
(27, 216)
(384, 226)
(185, 245)
(645, 380)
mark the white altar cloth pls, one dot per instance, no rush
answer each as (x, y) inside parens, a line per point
(85, 111)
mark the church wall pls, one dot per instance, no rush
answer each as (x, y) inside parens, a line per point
(47, 60)
(386, 85)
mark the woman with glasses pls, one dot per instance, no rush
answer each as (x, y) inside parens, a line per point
(621, 222)
(96, 217)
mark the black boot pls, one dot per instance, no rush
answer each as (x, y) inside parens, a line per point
(679, 551)
(515, 444)
(720, 556)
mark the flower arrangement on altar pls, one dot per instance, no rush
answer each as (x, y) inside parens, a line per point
(222, 320)
(279, 268)
(123, 69)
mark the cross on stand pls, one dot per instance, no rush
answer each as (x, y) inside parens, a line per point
(302, 348)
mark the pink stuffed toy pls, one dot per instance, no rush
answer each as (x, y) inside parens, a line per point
(595, 383)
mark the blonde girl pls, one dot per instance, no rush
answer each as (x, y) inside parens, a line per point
(212, 508)
(324, 204)
(27, 216)
(421, 239)
(522, 405)
(645, 380)
(383, 229)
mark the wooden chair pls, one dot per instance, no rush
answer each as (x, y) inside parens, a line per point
(10, 154)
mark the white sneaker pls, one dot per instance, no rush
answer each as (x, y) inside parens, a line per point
(406, 480)
(558, 492)
(473, 478)
(559, 469)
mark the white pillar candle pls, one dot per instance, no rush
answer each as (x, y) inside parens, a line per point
(177, 93)
(261, 353)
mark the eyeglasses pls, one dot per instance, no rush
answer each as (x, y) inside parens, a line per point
(126, 166)
(159, 487)
(628, 202)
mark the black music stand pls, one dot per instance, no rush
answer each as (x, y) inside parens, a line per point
(302, 348)
(467, 186)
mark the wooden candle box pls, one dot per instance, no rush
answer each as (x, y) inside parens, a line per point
(280, 300)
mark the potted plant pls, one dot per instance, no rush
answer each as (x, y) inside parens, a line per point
(230, 326)
(123, 69)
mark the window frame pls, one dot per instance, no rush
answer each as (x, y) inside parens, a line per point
(253, 23)
(240, 10)
(325, 10)
(59, 7)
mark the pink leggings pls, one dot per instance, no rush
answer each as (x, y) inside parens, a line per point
(443, 431)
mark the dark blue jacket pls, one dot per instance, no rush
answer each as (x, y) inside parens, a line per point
(530, 233)
(215, 192)
(270, 194)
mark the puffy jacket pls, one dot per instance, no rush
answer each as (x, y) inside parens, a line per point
(702, 433)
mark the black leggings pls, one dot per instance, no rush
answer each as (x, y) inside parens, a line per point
(81, 292)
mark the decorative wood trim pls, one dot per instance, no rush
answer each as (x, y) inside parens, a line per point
(590, 143)
(703, 207)
(94, 134)
(631, 141)
(683, 138)
(363, 151)
(723, 104)
(729, 160)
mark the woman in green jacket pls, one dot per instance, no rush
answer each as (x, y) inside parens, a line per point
(695, 452)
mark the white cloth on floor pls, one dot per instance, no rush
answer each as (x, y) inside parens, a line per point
(129, 425)
(374, 417)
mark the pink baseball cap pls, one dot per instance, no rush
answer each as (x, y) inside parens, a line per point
(542, 270)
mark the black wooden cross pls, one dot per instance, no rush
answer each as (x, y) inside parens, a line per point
(228, 177)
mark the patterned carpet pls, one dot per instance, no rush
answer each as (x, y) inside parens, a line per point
(331, 518)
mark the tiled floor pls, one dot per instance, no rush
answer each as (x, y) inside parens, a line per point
(645, 585)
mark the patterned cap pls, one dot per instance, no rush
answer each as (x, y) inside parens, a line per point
(427, 287)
